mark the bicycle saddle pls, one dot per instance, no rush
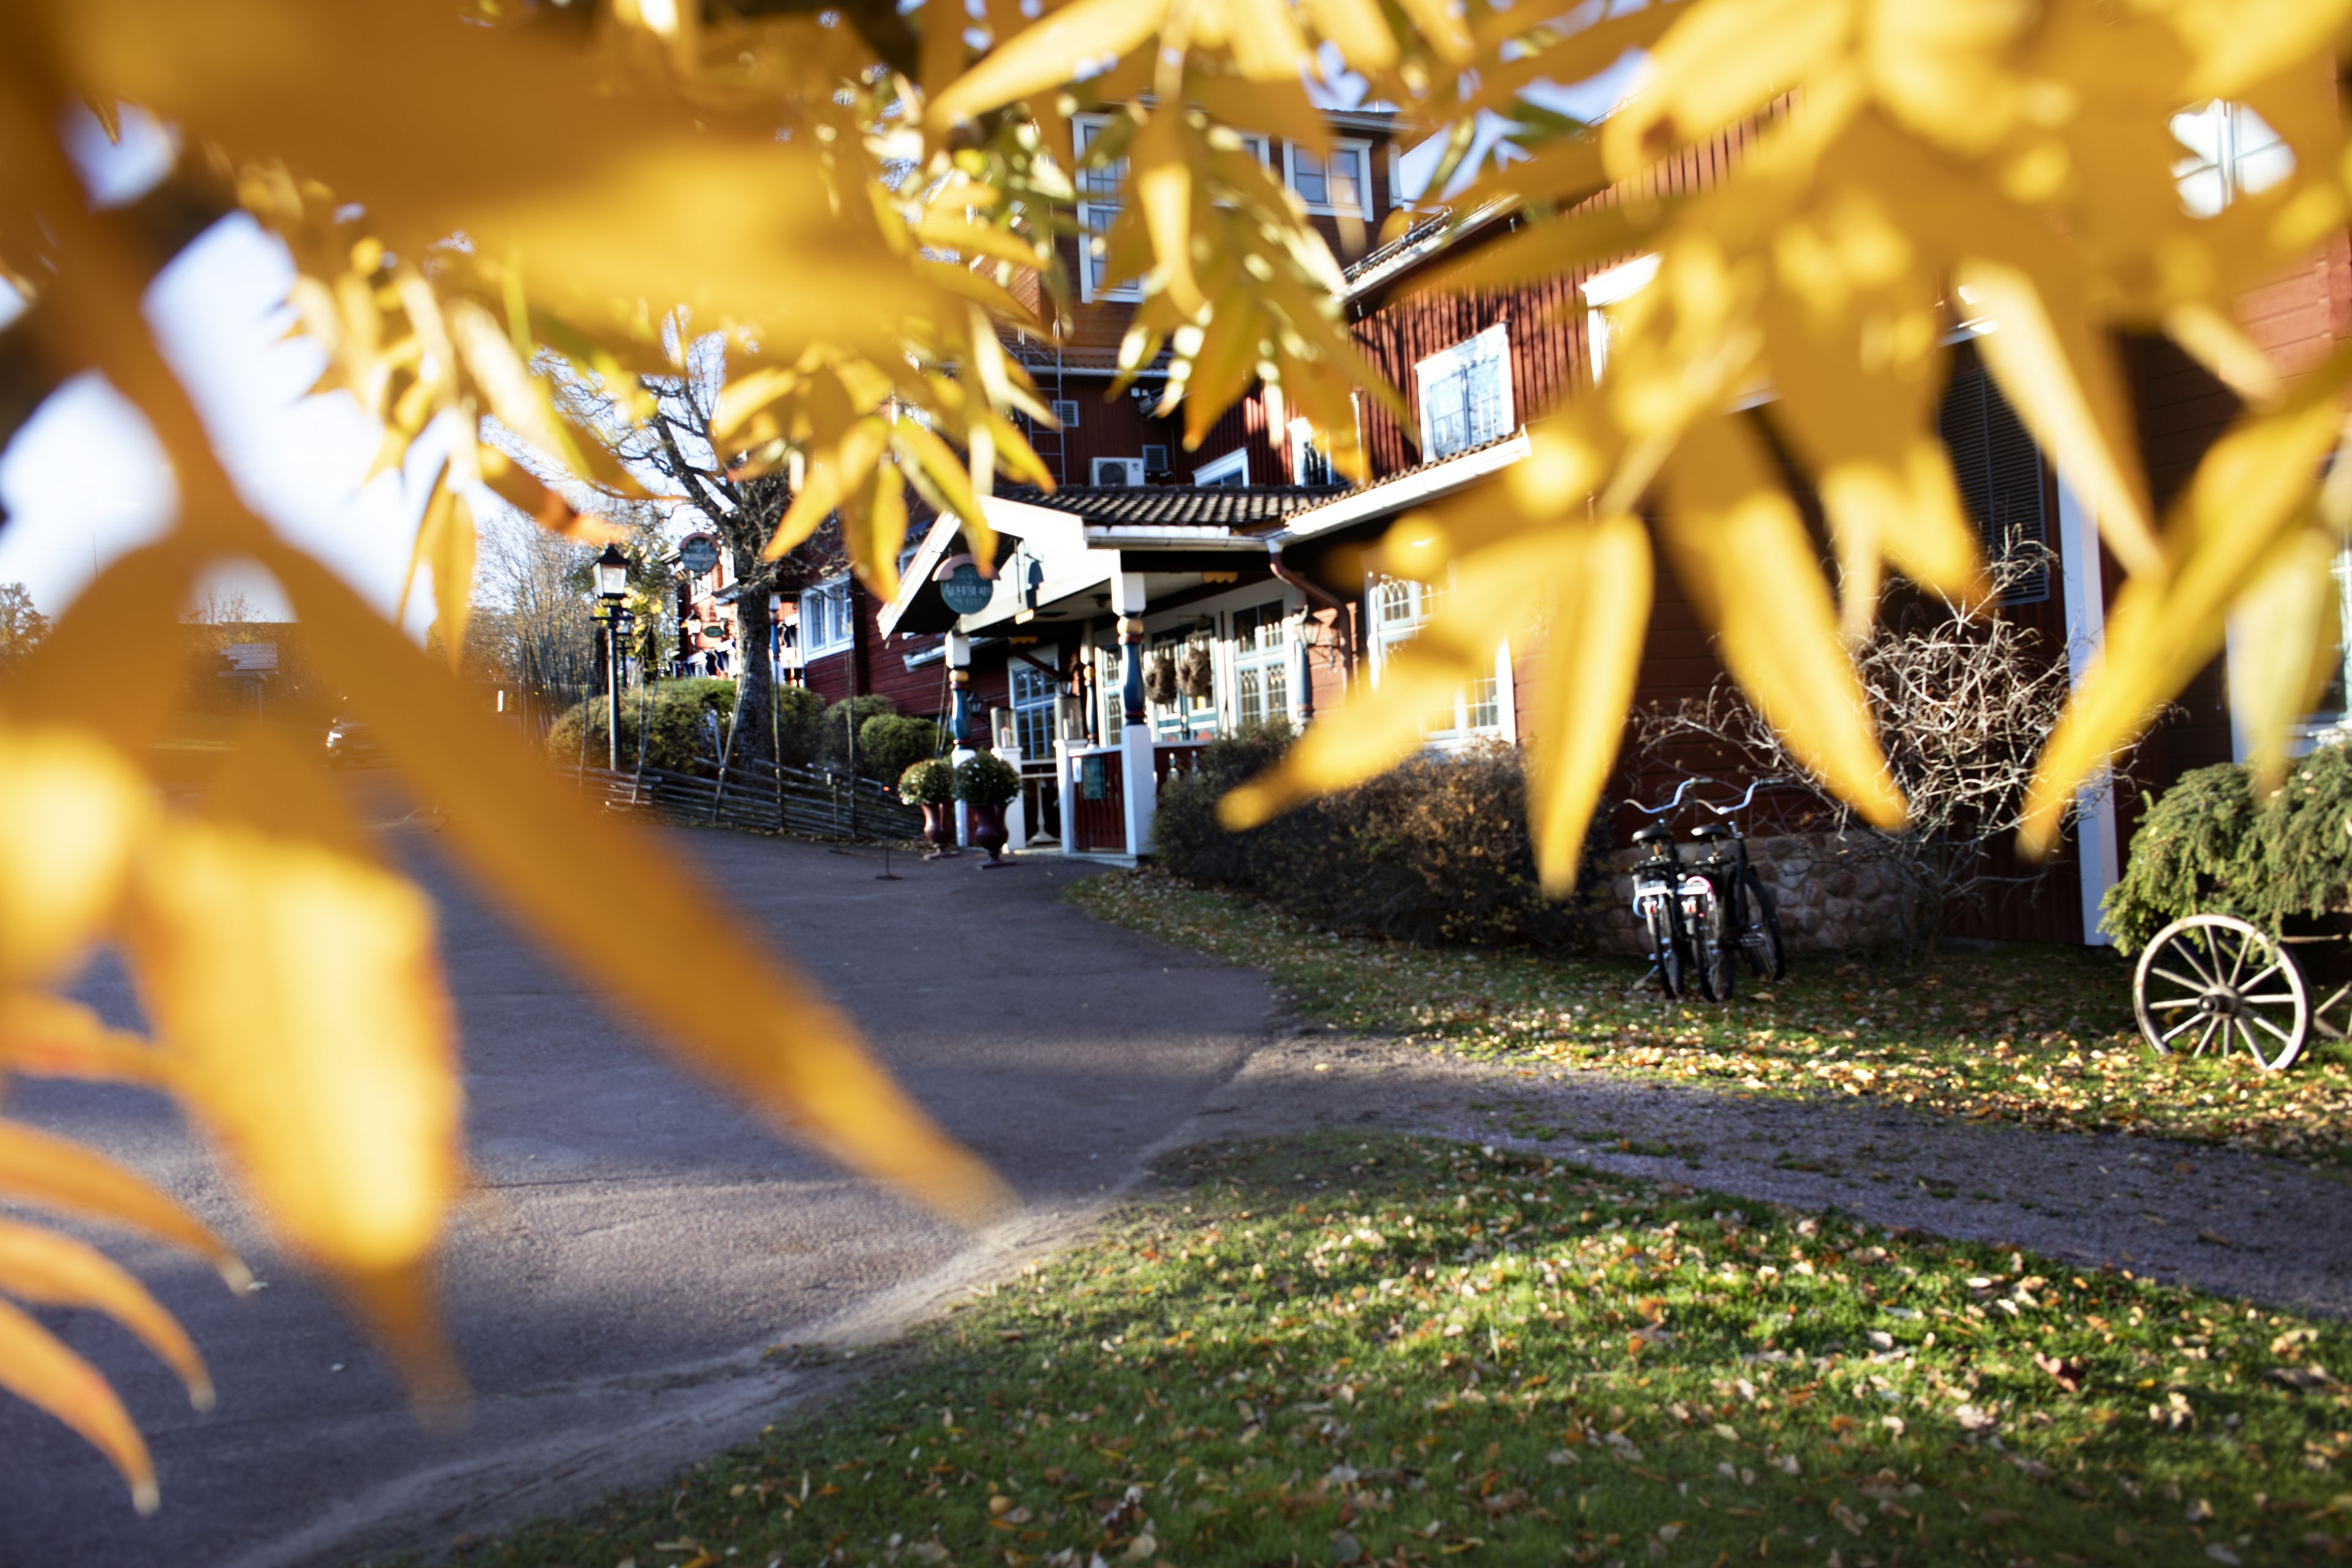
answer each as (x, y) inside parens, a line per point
(1710, 830)
(1653, 835)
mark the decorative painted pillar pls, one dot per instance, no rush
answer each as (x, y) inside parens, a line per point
(959, 656)
(1138, 785)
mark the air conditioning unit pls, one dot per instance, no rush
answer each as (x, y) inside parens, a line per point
(1118, 472)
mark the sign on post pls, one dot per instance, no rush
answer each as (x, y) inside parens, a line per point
(698, 553)
(961, 587)
(251, 658)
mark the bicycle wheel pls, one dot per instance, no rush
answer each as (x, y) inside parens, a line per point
(1711, 935)
(1762, 941)
(2216, 982)
(1666, 944)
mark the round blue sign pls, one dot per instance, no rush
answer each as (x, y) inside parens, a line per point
(964, 589)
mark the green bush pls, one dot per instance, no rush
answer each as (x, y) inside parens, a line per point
(931, 782)
(800, 725)
(849, 714)
(2209, 845)
(986, 779)
(676, 733)
(1437, 850)
(890, 743)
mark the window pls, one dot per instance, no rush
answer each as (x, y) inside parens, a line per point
(1261, 665)
(1465, 394)
(1339, 184)
(1400, 609)
(1603, 289)
(825, 625)
(1032, 709)
(1233, 468)
(1099, 208)
(1110, 684)
(2232, 151)
(1309, 463)
(2001, 475)
(1182, 717)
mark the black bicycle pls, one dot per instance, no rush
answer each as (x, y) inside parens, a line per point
(1725, 906)
(1658, 900)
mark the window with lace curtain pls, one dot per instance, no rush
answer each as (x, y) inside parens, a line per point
(1261, 665)
(1400, 609)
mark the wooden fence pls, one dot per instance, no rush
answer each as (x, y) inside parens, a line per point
(817, 802)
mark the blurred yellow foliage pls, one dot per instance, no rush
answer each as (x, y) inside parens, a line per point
(859, 198)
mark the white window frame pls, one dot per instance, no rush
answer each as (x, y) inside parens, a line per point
(1221, 470)
(1603, 289)
(1388, 635)
(1016, 671)
(1093, 222)
(1350, 147)
(1277, 661)
(2246, 157)
(817, 619)
(1493, 344)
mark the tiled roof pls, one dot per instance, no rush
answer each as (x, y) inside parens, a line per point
(1238, 507)
(1326, 498)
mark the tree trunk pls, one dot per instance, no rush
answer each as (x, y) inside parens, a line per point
(754, 671)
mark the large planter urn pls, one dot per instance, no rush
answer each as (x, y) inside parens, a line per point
(939, 830)
(988, 832)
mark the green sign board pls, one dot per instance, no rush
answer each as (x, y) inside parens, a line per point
(965, 591)
(1093, 778)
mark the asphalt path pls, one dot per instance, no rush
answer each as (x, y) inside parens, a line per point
(633, 1243)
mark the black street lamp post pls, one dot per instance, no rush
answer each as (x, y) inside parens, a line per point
(612, 588)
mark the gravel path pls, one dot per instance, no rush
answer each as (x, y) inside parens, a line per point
(2230, 1222)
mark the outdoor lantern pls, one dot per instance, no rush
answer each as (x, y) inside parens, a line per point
(611, 575)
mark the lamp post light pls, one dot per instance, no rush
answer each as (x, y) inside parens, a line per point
(612, 588)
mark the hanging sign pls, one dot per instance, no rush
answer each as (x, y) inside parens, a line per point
(698, 553)
(962, 586)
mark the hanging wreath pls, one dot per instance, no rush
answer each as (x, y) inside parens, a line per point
(1160, 680)
(1196, 672)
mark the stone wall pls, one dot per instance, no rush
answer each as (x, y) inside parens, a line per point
(1830, 899)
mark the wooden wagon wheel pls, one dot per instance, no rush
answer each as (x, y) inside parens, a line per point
(2215, 983)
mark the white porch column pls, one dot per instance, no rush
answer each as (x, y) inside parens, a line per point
(1016, 814)
(2097, 851)
(958, 657)
(1068, 790)
(1139, 789)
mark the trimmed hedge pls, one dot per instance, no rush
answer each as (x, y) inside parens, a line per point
(1435, 851)
(890, 743)
(676, 734)
(2210, 846)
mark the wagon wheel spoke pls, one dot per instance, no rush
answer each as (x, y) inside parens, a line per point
(2184, 1024)
(2199, 986)
(2238, 959)
(2248, 985)
(2286, 997)
(2247, 1034)
(2177, 1002)
(2285, 1036)
(2186, 946)
(2206, 1038)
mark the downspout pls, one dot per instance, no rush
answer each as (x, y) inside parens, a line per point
(1342, 620)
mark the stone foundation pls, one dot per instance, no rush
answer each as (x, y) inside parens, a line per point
(1830, 899)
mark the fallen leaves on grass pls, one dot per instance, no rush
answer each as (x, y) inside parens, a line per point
(2033, 1035)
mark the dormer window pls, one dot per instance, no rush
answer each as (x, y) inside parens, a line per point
(1341, 182)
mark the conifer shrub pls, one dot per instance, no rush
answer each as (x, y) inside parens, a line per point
(890, 743)
(1435, 851)
(2209, 845)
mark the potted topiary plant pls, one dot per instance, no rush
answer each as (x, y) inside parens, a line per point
(931, 785)
(986, 784)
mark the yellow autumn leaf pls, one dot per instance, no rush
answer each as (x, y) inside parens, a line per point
(2285, 642)
(53, 1270)
(35, 1368)
(72, 812)
(1738, 544)
(44, 1169)
(48, 1036)
(1596, 614)
(1047, 53)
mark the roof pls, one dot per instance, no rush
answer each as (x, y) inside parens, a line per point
(1440, 232)
(1253, 509)
(1392, 492)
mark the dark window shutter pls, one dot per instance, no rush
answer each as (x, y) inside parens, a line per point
(1999, 473)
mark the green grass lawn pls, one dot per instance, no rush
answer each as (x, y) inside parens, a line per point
(2039, 1035)
(1337, 1349)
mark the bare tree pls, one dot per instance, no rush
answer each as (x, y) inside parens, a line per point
(672, 448)
(22, 625)
(1962, 705)
(532, 631)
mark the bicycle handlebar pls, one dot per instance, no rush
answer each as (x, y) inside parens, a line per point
(1741, 804)
(1681, 790)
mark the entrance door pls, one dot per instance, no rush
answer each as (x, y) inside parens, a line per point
(1032, 728)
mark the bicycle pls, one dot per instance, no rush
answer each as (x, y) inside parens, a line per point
(1727, 906)
(1658, 893)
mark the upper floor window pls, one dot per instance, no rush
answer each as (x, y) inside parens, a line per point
(1099, 207)
(825, 623)
(1341, 182)
(1603, 289)
(1400, 609)
(1465, 394)
(1310, 464)
(1233, 468)
(2232, 151)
